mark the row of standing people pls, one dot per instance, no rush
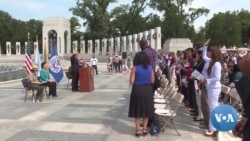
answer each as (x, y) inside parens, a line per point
(202, 96)
(117, 63)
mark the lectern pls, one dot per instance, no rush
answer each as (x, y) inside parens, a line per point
(86, 79)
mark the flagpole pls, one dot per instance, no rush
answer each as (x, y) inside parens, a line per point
(25, 54)
(45, 52)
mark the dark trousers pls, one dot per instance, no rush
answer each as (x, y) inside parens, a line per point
(39, 89)
(75, 79)
(117, 67)
(178, 77)
(95, 68)
(191, 95)
(52, 88)
(120, 64)
(204, 105)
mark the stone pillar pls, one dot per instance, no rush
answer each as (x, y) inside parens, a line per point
(111, 45)
(158, 38)
(117, 45)
(123, 44)
(97, 46)
(134, 43)
(145, 35)
(35, 47)
(8, 48)
(0, 50)
(152, 40)
(90, 47)
(104, 46)
(82, 47)
(18, 48)
(60, 47)
(139, 37)
(129, 44)
(75, 46)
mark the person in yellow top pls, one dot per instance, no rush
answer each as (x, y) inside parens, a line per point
(47, 80)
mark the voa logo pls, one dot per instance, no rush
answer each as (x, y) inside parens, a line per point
(224, 117)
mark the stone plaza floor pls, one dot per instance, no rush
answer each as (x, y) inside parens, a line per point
(100, 115)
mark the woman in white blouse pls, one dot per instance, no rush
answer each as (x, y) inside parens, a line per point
(212, 73)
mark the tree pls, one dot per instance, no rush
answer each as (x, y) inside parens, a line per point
(128, 19)
(74, 28)
(177, 23)
(224, 28)
(95, 15)
(5, 29)
(244, 16)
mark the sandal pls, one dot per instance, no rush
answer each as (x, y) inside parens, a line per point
(145, 132)
(138, 133)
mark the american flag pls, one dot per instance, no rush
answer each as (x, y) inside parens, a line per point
(28, 62)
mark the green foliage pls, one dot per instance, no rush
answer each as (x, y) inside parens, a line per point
(224, 28)
(16, 31)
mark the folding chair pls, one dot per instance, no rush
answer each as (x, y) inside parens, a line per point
(234, 98)
(27, 88)
(225, 90)
(167, 115)
(165, 103)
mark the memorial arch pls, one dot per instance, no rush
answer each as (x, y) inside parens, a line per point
(56, 31)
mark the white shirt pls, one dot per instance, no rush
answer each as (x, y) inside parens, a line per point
(93, 61)
(213, 81)
(234, 59)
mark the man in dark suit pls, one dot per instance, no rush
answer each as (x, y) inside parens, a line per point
(75, 71)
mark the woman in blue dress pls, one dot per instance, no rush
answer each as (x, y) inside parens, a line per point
(141, 98)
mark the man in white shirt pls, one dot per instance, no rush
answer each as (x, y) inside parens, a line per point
(94, 62)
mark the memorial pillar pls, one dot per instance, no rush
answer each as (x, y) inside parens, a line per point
(129, 44)
(158, 38)
(139, 37)
(123, 44)
(0, 50)
(82, 47)
(18, 48)
(152, 40)
(145, 35)
(35, 47)
(8, 48)
(75, 46)
(117, 45)
(134, 43)
(111, 46)
(90, 47)
(97, 46)
(104, 46)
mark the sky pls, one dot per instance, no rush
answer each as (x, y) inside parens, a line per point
(40, 9)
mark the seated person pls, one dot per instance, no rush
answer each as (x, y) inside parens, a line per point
(35, 84)
(83, 63)
(46, 80)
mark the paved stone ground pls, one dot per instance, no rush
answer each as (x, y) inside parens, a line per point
(97, 116)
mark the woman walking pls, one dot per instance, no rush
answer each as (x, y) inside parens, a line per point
(141, 98)
(212, 73)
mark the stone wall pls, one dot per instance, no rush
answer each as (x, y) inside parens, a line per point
(175, 44)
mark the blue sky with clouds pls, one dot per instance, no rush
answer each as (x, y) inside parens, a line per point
(40, 9)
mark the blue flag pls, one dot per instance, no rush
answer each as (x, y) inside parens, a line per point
(55, 67)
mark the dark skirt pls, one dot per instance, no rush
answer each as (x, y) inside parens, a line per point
(141, 102)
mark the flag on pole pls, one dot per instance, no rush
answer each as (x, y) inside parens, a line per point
(28, 61)
(38, 61)
(55, 67)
